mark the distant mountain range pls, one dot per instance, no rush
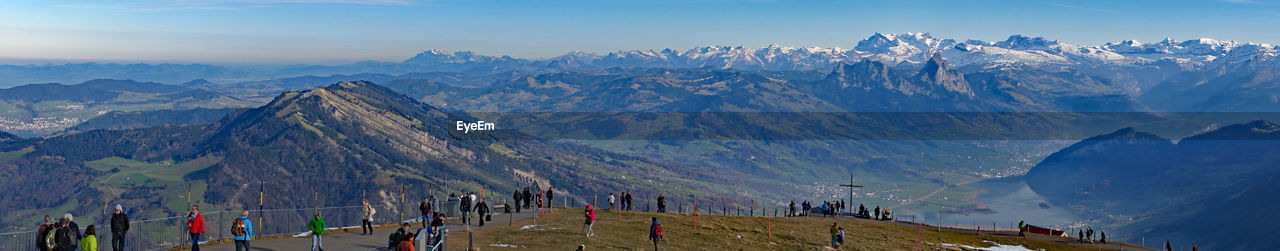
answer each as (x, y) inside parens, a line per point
(863, 86)
(891, 49)
(40, 109)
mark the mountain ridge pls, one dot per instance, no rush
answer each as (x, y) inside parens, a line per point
(1194, 190)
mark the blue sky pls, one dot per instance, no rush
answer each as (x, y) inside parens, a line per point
(342, 31)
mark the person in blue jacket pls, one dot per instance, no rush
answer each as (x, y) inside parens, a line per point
(242, 230)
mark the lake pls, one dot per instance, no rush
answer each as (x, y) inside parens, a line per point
(1011, 200)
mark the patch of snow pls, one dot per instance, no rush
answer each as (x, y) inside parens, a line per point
(528, 227)
(996, 247)
(505, 245)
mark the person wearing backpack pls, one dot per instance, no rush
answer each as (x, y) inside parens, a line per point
(394, 240)
(835, 235)
(67, 237)
(51, 237)
(317, 228)
(119, 227)
(590, 215)
(242, 230)
(655, 233)
(195, 227)
(42, 235)
(366, 225)
(90, 241)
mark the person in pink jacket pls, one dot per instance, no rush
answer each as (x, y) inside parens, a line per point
(591, 221)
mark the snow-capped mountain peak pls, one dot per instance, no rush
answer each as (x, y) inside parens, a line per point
(904, 48)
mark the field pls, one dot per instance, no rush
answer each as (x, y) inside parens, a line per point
(562, 230)
(164, 178)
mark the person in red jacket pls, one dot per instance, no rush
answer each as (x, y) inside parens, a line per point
(590, 214)
(195, 225)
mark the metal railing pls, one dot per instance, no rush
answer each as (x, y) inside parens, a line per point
(25, 240)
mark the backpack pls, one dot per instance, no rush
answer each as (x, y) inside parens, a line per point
(394, 239)
(237, 227)
(657, 230)
(50, 238)
(73, 236)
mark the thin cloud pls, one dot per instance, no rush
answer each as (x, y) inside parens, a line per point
(349, 2)
(219, 5)
(1083, 8)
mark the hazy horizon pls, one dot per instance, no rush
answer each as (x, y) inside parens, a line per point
(276, 32)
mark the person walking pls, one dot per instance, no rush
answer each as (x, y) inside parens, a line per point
(317, 229)
(464, 206)
(527, 197)
(537, 198)
(835, 233)
(1167, 246)
(366, 218)
(655, 232)
(90, 241)
(1104, 237)
(631, 203)
(195, 226)
(482, 210)
(611, 202)
(590, 215)
(1081, 233)
(792, 208)
(840, 238)
(42, 234)
(622, 201)
(1022, 230)
(425, 209)
(472, 199)
(1088, 234)
(549, 195)
(242, 231)
(516, 197)
(119, 228)
(662, 203)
